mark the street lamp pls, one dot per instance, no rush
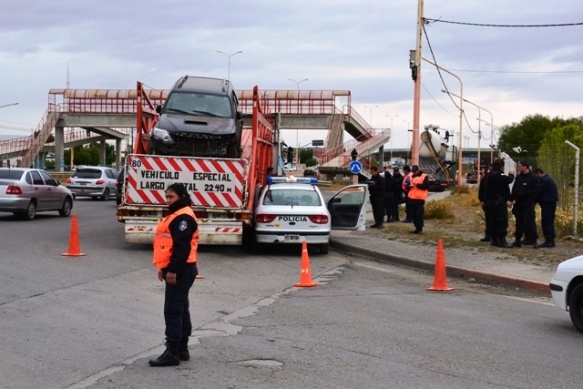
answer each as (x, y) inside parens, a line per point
(371, 108)
(479, 122)
(459, 151)
(229, 61)
(297, 130)
(8, 105)
(392, 117)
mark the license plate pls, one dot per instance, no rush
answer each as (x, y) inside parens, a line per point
(292, 238)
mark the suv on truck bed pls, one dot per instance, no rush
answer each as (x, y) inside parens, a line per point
(200, 118)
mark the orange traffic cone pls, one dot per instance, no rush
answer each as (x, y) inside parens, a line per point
(305, 272)
(74, 249)
(440, 280)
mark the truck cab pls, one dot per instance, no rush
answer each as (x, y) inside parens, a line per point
(200, 118)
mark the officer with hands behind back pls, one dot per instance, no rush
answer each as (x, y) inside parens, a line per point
(175, 256)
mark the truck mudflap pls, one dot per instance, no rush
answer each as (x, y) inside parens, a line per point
(224, 233)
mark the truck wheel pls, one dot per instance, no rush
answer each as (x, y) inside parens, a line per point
(576, 307)
(324, 248)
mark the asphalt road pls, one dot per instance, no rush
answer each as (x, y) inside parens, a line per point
(94, 321)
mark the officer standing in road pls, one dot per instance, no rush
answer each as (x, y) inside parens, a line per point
(547, 198)
(497, 202)
(376, 189)
(417, 197)
(523, 196)
(175, 256)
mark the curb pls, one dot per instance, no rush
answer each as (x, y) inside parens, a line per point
(460, 272)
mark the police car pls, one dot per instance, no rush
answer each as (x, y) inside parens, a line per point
(292, 209)
(567, 289)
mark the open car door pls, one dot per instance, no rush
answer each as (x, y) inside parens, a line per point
(347, 208)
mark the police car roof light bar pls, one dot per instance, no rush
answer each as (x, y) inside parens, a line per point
(292, 179)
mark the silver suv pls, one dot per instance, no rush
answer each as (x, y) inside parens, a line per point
(93, 181)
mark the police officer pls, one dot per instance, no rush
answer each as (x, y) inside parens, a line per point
(175, 256)
(548, 196)
(417, 196)
(523, 195)
(376, 189)
(405, 186)
(497, 201)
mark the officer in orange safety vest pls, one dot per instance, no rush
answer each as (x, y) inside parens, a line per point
(175, 255)
(417, 197)
(405, 186)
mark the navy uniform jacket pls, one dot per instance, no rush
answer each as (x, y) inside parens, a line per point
(496, 187)
(525, 188)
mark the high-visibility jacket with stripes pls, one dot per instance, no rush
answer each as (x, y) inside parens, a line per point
(163, 240)
(415, 193)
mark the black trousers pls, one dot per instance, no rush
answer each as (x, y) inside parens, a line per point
(548, 210)
(378, 209)
(177, 305)
(523, 212)
(391, 206)
(417, 212)
(497, 218)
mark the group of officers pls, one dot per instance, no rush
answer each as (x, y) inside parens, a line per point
(388, 191)
(529, 188)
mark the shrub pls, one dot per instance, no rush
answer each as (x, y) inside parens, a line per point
(462, 189)
(438, 209)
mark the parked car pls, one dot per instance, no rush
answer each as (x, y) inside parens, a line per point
(291, 210)
(119, 186)
(567, 289)
(25, 192)
(472, 177)
(93, 181)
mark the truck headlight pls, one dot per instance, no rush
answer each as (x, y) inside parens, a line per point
(162, 135)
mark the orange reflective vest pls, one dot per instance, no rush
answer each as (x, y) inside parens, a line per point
(416, 193)
(405, 185)
(163, 240)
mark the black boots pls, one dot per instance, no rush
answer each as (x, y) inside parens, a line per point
(500, 242)
(183, 353)
(170, 357)
(548, 243)
(486, 238)
(516, 243)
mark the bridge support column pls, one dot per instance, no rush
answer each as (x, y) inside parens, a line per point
(59, 149)
(118, 154)
(102, 153)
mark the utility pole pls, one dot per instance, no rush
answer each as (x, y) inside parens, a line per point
(415, 65)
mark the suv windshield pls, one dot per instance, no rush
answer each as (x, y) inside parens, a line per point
(193, 103)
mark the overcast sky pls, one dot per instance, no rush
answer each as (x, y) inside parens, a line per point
(360, 45)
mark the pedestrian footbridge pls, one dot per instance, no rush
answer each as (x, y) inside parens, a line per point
(81, 116)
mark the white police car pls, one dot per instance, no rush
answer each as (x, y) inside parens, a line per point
(567, 289)
(292, 209)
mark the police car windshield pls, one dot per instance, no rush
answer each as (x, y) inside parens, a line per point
(292, 197)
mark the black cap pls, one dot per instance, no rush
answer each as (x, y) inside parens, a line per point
(414, 168)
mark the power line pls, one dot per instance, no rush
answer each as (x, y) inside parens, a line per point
(518, 72)
(429, 20)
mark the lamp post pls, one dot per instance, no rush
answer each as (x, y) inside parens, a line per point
(392, 118)
(459, 151)
(8, 105)
(297, 130)
(229, 61)
(479, 122)
(370, 116)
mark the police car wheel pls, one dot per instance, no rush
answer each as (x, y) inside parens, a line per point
(324, 248)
